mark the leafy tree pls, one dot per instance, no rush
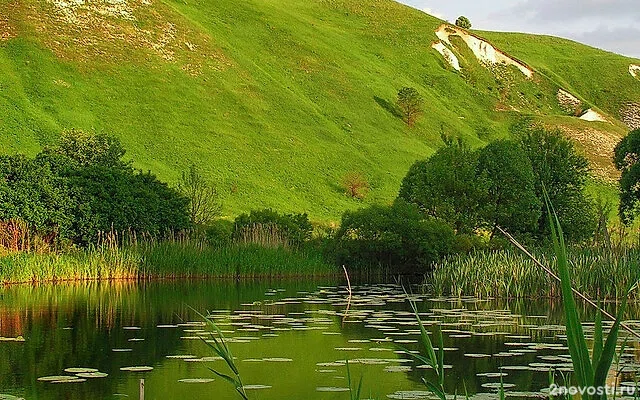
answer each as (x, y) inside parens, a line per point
(463, 22)
(81, 194)
(626, 156)
(563, 172)
(355, 185)
(446, 187)
(392, 236)
(204, 204)
(511, 198)
(410, 103)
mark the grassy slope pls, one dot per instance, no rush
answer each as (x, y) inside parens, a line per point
(291, 95)
(599, 77)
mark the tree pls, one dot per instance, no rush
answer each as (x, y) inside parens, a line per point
(463, 22)
(204, 204)
(563, 173)
(511, 198)
(446, 187)
(118, 199)
(394, 236)
(30, 191)
(77, 195)
(410, 103)
(355, 185)
(87, 149)
(626, 156)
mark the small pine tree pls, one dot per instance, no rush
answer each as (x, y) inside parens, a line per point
(410, 103)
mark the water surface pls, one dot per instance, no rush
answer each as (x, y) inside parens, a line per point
(290, 339)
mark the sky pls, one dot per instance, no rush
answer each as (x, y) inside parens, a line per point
(612, 25)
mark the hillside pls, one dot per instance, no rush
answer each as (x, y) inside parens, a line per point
(278, 100)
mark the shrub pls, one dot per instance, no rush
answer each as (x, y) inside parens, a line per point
(463, 22)
(511, 201)
(219, 233)
(396, 236)
(31, 191)
(355, 185)
(563, 172)
(294, 229)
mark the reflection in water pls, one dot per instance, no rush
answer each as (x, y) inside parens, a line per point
(289, 337)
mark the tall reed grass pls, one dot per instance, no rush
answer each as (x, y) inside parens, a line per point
(193, 259)
(601, 273)
(151, 259)
(89, 264)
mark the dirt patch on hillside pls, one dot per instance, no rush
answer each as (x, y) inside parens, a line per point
(598, 147)
(116, 31)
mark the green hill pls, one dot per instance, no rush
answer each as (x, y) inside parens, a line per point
(278, 100)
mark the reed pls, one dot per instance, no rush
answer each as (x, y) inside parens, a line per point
(590, 372)
(264, 235)
(193, 259)
(176, 258)
(79, 265)
(602, 273)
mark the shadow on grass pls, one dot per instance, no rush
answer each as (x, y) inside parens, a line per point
(388, 106)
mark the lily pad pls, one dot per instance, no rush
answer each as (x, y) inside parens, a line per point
(79, 370)
(137, 369)
(92, 374)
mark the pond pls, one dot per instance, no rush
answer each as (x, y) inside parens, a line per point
(290, 339)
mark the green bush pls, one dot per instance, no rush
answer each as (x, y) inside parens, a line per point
(32, 192)
(562, 172)
(219, 233)
(502, 185)
(396, 236)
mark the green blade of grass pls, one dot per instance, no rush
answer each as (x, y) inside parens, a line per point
(597, 338)
(575, 335)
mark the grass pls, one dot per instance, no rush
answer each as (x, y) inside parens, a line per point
(604, 274)
(276, 102)
(162, 260)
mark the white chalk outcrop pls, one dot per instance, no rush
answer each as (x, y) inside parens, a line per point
(634, 70)
(448, 55)
(483, 50)
(592, 116)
